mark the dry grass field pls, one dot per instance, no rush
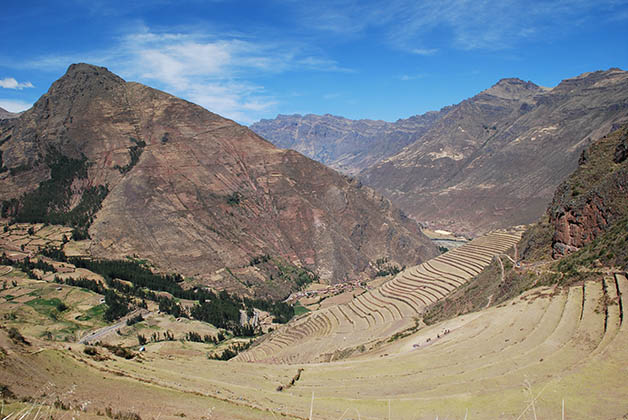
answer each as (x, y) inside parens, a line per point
(519, 360)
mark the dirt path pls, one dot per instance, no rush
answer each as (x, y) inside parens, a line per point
(501, 266)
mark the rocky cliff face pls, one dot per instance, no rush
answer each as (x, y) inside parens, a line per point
(348, 146)
(594, 197)
(194, 192)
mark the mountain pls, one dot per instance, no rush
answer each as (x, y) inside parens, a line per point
(495, 159)
(149, 175)
(346, 145)
(5, 115)
(491, 161)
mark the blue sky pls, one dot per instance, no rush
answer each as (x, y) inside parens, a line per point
(248, 60)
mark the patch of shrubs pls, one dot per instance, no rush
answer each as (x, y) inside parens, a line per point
(134, 320)
(120, 351)
(16, 337)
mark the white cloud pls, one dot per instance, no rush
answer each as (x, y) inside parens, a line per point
(206, 71)
(11, 83)
(217, 72)
(213, 72)
(14, 105)
(333, 95)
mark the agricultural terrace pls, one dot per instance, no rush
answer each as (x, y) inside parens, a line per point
(374, 316)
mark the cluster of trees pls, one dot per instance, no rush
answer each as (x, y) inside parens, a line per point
(135, 152)
(117, 305)
(50, 202)
(132, 271)
(259, 259)
(84, 283)
(134, 320)
(384, 268)
(27, 266)
(291, 273)
(231, 352)
(221, 309)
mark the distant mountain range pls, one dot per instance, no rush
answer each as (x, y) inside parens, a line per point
(346, 145)
(490, 161)
(149, 175)
(5, 115)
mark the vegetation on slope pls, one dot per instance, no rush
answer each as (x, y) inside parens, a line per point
(51, 201)
(220, 309)
(135, 152)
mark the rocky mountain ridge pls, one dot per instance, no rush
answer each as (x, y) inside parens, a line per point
(492, 160)
(189, 190)
(348, 146)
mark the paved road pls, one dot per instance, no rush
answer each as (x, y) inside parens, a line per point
(98, 334)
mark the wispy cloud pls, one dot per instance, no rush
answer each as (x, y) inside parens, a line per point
(413, 26)
(14, 105)
(322, 64)
(210, 72)
(215, 72)
(11, 83)
(333, 95)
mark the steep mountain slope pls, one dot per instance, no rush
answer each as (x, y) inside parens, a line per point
(346, 145)
(189, 190)
(491, 161)
(594, 197)
(495, 159)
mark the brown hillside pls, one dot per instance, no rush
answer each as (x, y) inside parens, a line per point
(495, 159)
(195, 192)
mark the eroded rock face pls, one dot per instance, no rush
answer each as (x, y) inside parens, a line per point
(205, 193)
(592, 198)
(621, 151)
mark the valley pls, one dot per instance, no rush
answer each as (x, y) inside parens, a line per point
(162, 262)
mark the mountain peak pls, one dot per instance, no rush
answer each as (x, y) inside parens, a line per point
(83, 76)
(512, 88)
(89, 70)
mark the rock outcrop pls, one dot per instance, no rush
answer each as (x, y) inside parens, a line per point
(593, 198)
